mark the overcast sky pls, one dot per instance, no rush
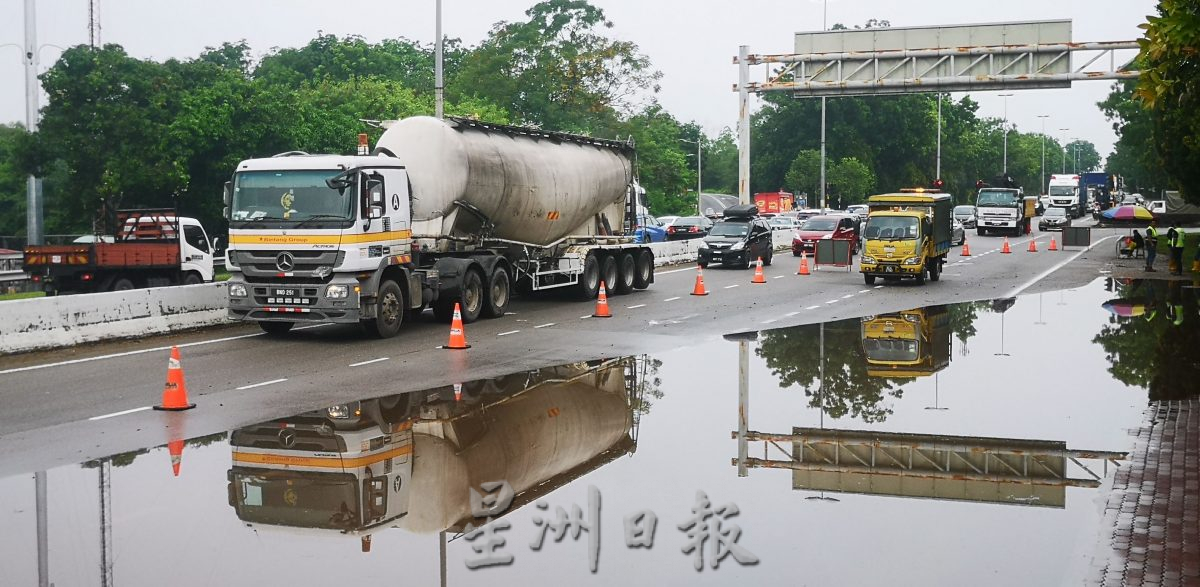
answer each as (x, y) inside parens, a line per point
(691, 41)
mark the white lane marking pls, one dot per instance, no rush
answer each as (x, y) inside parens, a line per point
(790, 314)
(544, 325)
(732, 286)
(585, 317)
(361, 363)
(253, 385)
(142, 351)
(635, 307)
(879, 287)
(508, 333)
(770, 321)
(121, 413)
(832, 301)
(674, 271)
(777, 277)
(672, 299)
(812, 307)
(864, 291)
(1056, 267)
(847, 296)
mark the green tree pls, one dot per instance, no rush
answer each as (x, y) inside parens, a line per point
(1082, 156)
(351, 58)
(1170, 87)
(1134, 155)
(662, 163)
(721, 163)
(804, 174)
(851, 181)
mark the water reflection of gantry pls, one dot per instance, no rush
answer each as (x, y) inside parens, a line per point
(967, 468)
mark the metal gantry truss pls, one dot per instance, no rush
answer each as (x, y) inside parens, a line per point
(994, 470)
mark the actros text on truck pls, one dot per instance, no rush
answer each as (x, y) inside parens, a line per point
(441, 212)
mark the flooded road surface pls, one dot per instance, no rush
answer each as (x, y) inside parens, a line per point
(950, 445)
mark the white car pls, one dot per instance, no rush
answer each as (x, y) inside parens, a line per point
(667, 220)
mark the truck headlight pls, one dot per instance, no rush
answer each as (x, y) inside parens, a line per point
(337, 291)
(867, 260)
(738, 246)
(237, 290)
(339, 412)
(912, 261)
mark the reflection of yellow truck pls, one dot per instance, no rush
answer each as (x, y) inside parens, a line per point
(907, 236)
(913, 343)
(361, 467)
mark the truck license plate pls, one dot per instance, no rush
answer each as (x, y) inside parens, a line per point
(287, 292)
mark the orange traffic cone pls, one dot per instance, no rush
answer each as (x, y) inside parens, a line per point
(699, 290)
(1005, 249)
(174, 396)
(1053, 244)
(458, 339)
(758, 274)
(458, 392)
(966, 252)
(1033, 245)
(175, 447)
(803, 264)
(602, 303)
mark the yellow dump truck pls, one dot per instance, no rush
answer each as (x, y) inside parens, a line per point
(907, 235)
(913, 343)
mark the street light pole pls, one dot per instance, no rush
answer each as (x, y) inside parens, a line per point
(1005, 96)
(438, 87)
(1041, 190)
(938, 173)
(699, 173)
(33, 185)
(1064, 151)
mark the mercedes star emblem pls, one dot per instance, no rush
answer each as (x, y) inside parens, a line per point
(285, 261)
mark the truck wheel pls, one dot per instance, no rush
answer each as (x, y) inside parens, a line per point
(626, 268)
(122, 284)
(869, 279)
(608, 272)
(589, 280)
(767, 259)
(921, 277)
(935, 271)
(276, 328)
(645, 270)
(389, 312)
(192, 279)
(473, 295)
(498, 293)
(980, 232)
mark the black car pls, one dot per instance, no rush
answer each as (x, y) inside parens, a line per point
(1055, 218)
(738, 240)
(688, 227)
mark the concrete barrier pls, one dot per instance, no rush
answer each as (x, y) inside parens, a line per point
(63, 321)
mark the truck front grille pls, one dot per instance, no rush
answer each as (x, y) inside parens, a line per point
(262, 266)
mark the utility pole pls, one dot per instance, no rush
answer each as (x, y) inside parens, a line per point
(94, 23)
(938, 173)
(824, 26)
(699, 172)
(1042, 189)
(1005, 96)
(743, 125)
(1064, 151)
(33, 185)
(438, 88)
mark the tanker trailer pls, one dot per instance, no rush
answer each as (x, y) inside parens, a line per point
(441, 212)
(411, 461)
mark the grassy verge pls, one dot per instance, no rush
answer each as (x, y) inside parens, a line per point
(22, 295)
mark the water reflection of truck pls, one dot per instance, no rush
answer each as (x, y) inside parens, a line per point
(907, 235)
(409, 461)
(913, 343)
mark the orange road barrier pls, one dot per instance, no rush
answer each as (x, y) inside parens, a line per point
(602, 303)
(699, 290)
(758, 274)
(458, 338)
(174, 397)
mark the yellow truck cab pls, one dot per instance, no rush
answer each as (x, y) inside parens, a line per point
(907, 235)
(913, 343)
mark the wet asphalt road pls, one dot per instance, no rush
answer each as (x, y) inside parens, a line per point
(69, 406)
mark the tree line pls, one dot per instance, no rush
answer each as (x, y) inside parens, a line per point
(131, 132)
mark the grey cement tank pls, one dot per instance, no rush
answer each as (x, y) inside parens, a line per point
(535, 188)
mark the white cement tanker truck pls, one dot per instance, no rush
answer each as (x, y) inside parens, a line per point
(410, 461)
(440, 212)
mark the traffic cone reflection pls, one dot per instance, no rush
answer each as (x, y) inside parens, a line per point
(602, 303)
(803, 264)
(174, 395)
(175, 447)
(458, 338)
(1053, 244)
(458, 392)
(966, 252)
(1005, 249)
(699, 290)
(758, 273)
(1196, 266)
(1033, 246)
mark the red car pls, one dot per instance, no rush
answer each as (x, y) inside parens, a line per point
(835, 226)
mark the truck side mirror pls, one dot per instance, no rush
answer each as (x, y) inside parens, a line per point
(373, 197)
(228, 194)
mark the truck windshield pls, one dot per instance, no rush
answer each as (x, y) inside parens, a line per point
(314, 501)
(886, 349)
(289, 196)
(890, 228)
(996, 198)
(1062, 190)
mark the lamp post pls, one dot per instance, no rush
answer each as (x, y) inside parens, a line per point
(438, 86)
(1064, 151)
(699, 173)
(938, 173)
(1042, 189)
(1005, 96)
